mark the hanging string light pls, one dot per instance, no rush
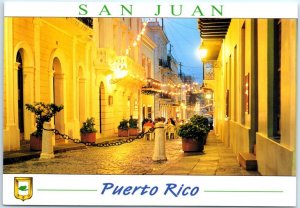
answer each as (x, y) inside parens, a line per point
(180, 88)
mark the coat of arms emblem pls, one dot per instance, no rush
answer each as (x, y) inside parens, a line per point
(23, 188)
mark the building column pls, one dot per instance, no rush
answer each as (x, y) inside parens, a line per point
(37, 46)
(60, 117)
(11, 133)
(76, 124)
(82, 100)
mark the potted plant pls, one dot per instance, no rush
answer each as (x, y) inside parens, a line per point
(123, 128)
(192, 137)
(43, 113)
(202, 122)
(88, 131)
(133, 128)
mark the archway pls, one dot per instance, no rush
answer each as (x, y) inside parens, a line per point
(58, 93)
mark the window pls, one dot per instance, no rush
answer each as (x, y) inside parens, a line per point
(244, 96)
(277, 77)
(149, 68)
(149, 111)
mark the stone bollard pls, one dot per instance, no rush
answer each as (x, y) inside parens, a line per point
(159, 145)
(47, 142)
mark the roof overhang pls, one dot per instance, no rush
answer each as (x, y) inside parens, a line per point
(212, 33)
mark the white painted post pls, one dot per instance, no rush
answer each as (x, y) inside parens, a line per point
(47, 142)
(159, 145)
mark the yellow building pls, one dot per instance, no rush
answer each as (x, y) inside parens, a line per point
(255, 88)
(92, 66)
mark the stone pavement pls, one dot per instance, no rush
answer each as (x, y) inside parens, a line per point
(216, 159)
(135, 159)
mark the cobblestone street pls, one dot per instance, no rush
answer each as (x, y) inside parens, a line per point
(136, 158)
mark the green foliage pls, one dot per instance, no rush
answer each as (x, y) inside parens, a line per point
(133, 123)
(123, 124)
(200, 121)
(43, 113)
(88, 126)
(190, 130)
(23, 188)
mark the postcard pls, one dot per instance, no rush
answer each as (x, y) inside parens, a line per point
(140, 103)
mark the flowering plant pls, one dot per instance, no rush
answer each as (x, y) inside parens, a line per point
(43, 112)
(88, 126)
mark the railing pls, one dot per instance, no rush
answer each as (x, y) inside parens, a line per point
(209, 69)
(165, 96)
(164, 63)
(151, 86)
(105, 57)
(134, 69)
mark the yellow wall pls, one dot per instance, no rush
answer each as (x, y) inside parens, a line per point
(238, 57)
(278, 158)
(231, 129)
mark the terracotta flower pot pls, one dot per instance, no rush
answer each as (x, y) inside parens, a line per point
(123, 132)
(35, 143)
(88, 137)
(133, 131)
(192, 145)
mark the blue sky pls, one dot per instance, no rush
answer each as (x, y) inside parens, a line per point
(184, 36)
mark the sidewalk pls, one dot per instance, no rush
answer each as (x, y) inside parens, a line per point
(25, 154)
(215, 160)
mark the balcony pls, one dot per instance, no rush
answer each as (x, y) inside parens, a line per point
(105, 58)
(209, 69)
(164, 63)
(135, 70)
(151, 87)
(165, 96)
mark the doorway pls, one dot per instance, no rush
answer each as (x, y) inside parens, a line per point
(19, 60)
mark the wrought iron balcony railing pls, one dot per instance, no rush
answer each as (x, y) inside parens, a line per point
(165, 96)
(151, 86)
(164, 63)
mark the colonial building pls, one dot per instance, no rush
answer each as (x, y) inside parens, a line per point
(168, 101)
(253, 63)
(92, 66)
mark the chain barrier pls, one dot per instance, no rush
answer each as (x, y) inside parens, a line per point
(102, 144)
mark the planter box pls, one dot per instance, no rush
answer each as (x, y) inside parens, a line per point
(122, 133)
(133, 131)
(35, 143)
(88, 138)
(192, 145)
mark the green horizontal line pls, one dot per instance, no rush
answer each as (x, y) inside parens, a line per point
(66, 189)
(242, 191)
